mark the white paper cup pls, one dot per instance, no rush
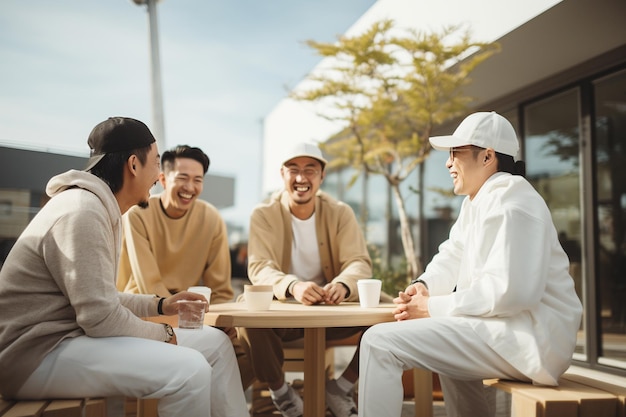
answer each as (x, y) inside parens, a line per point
(191, 314)
(369, 292)
(258, 297)
(201, 289)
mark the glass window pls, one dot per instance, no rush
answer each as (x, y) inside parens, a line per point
(15, 213)
(377, 208)
(441, 205)
(332, 184)
(354, 192)
(610, 159)
(552, 155)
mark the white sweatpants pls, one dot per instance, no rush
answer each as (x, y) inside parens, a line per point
(445, 345)
(198, 377)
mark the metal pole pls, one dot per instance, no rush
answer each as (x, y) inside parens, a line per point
(157, 95)
(262, 158)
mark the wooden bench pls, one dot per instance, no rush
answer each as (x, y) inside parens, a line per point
(567, 399)
(575, 396)
(141, 407)
(618, 390)
(87, 407)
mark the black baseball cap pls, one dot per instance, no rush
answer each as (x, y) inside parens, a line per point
(117, 134)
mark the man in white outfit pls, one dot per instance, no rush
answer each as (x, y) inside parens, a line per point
(497, 300)
(66, 332)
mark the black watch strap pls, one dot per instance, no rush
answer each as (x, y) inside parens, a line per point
(160, 306)
(347, 289)
(421, 281)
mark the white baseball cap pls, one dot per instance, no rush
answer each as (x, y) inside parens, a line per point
(303, 149)
(482, 129)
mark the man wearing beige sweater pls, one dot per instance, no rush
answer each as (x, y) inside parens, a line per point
(180, 241)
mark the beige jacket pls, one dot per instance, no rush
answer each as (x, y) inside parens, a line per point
(343, 250)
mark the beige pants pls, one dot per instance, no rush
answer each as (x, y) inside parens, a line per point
(243, 359)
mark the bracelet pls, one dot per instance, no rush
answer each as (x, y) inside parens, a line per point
(160, 306)
(419, 281)
(290, 288)
(347, 289)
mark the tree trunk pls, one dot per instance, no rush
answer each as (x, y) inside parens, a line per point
(405, 233)
(421, 230)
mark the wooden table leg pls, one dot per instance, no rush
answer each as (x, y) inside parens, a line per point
(314, 372)
(423, 390)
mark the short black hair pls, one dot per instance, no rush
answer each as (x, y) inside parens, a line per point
(110, 168)
(184, 151)
(506, 163)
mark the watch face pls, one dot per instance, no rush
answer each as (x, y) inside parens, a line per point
(169, 331)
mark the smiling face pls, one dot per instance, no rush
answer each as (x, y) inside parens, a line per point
(469, 167)
(302, 178)
(182, 184)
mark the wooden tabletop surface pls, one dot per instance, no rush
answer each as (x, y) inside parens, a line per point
(295, 315)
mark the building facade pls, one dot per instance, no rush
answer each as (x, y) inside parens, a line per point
(24, 174)
(560, 78)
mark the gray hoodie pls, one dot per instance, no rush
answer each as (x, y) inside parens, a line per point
(58, 281)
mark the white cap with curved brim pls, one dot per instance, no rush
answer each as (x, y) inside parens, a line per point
(303, 149)
(482, 129)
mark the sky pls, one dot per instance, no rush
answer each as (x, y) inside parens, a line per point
(66, 65)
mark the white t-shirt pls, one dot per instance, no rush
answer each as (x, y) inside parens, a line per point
(305, 254)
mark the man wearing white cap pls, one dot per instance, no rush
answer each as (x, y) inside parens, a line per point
(497, 301)
(311, 249)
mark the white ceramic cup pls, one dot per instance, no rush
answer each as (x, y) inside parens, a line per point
(258, 297)
(201, 289)
(369, 292)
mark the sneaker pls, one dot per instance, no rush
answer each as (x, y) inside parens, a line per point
(290, 404)
(341, 403)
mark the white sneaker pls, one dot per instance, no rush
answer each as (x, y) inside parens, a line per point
(290, 404)
(340, 403)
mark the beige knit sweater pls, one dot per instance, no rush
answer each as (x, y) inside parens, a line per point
(161, 255)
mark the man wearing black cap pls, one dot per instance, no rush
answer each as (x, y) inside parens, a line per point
(311, 249)
(67, 332)
(497, 301)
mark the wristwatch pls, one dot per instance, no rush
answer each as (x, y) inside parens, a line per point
(169, 332)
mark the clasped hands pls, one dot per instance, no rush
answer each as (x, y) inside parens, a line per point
(412, 303)
(309, 293)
